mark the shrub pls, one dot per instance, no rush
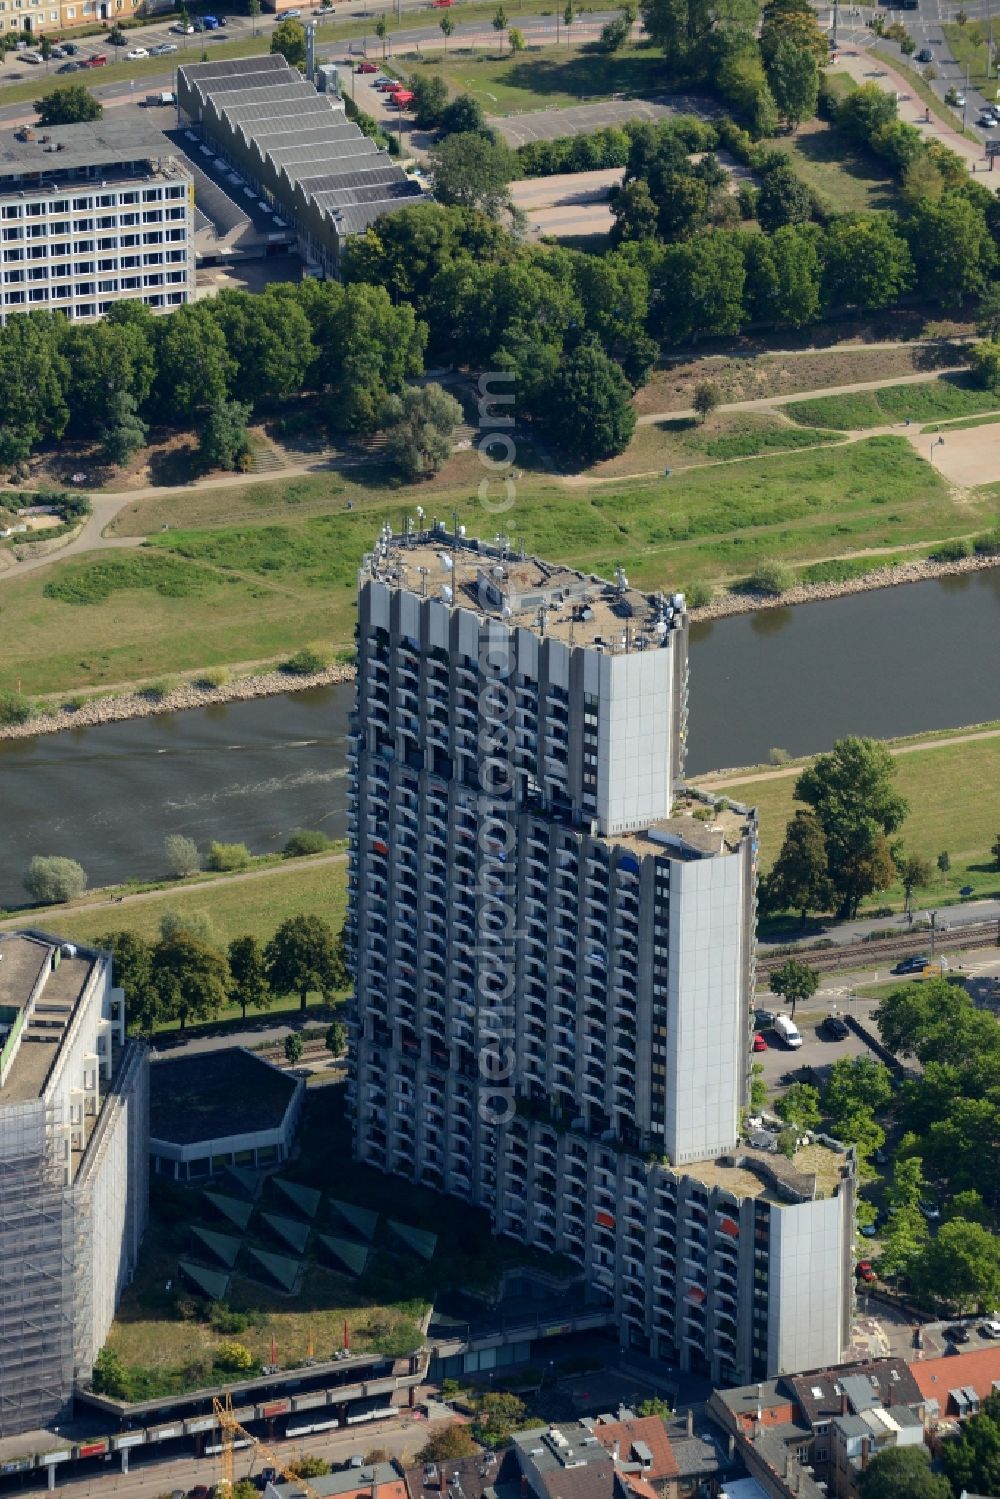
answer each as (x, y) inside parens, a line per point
(72, 704)
(697, 595)
(110, 1376)
(155, 692)
(305, 663)
(770, 578)
(951, 551)
(987, 545)
(305, 841)
(227, 856)
(226, 1319)
(181, 855)
(14, 708)
(444, 1446)
(778, 756)
(51, 878)
(234, 1356)
(308, 1465)
(215, 676)
(197, 924)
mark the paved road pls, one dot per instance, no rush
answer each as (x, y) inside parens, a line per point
(581, 119)
(572, 203)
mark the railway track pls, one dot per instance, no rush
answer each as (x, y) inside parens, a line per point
(861, 953)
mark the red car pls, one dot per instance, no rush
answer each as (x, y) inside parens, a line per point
(98, 61)
(865, 1272)
(759, 1044)
(366, 67)
(441, 4)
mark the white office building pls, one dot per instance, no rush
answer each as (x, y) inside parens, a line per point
(90, 215)
(554, 956)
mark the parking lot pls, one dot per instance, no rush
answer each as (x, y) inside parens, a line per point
(818, 1051)
(581, 119)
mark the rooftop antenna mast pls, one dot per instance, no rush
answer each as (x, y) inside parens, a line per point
(423, 571)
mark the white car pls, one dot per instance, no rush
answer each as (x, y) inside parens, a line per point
(134, 53)
(31, 57)
(989, 1329)
(183, 30)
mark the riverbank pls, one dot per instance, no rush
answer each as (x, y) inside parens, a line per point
(197, 692)
(919, 570)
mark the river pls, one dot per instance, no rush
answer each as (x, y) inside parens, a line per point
(891, 662)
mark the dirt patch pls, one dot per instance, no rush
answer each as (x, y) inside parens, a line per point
(760, 375)
(969, 458)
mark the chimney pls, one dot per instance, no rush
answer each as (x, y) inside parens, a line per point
(843, 1402)
(731, 1446)
(616, 1453)
(690, 1422)
(866, 1452)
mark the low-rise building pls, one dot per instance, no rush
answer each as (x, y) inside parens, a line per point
(376, 1481)
(857, 1438)
(74, 1143)
(954, 1387)
(92, 214)
(608, 1457)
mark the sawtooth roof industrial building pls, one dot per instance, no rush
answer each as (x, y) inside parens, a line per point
(296, 148)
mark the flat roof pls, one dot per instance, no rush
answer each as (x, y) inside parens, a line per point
(745, 1172)
(93, 143)
(25, 958)
(215, 1094)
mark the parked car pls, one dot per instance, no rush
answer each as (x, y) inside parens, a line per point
(58, 51)
(835, 1028)
(865, 1272)
(759, 1044)
(931, 1211)
(181, 29)
(869, 1230)
(70, 48)
(959, 101)
(989, 1329)
(162, 49)
(134, 53)
(925, 55)
(915, 964)
(957, 1333)
(366, 67)
(290, 15)
(211, 23)
(387, 85)
(31, 57)
(441, 4)
(762, 1019)
(99, 60)
(70, 67)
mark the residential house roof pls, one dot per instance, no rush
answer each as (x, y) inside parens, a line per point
(979, 1369)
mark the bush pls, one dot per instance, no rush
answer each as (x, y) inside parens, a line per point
(227, 856)
(778, 756)
(447, 1445)
(215, 676)
(770, 578)
(305, 841)
(14, 708)
(181, 855)
(51, 879)
(197, 924)
(305, 663)
(988, 545)
(951, 551)
(110, 1376)
(235, 1357)
(226, 1319)
(308, 1465)
(697, 595)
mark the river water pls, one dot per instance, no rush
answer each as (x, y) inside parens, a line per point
(886, 663)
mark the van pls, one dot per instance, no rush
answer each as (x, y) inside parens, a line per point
(788, 1031)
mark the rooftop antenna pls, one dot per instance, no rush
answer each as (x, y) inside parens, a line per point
(423, 571)
(543, 616)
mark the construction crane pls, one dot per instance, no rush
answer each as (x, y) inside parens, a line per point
(231, 1429)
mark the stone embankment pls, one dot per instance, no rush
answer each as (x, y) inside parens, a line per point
(809, 593)
(195, 693)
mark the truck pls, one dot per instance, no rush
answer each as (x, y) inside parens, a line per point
(163, 96)
(788, 1031)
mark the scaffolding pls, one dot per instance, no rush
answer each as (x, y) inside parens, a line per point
(37, 1261)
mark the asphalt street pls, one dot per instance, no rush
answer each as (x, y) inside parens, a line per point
(846, 933)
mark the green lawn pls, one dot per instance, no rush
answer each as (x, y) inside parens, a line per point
(549, 77)
(198, 596)
(968, 47)
(682, 442)
(954, 796)
(848, 178)
(923, 401)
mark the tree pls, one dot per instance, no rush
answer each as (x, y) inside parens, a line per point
(68, 104)
(420, 423)
(798, 879)
(569, 14)
(247, 971)
(226, 857)
(194, 364)
(907, 1185)
(253, 9)
(181, 855)
(45, 48)
(961, 1266)
(430, 96)
(988, 313)
(110, 1376)
(132, 972)
(304, 955)
(792, 23)
(944, 861)
(902, 1471)
(698, 287)
(794, 980)
(382, 32)
(952, 248)
(856, 1083)
(588, 411)
(125, 432)
(972, 1458)
(234, 1356)
(294, 1047)
(515, 40)
(850, 790)
(635, 215)
(308, 1465)
(800, 1106)
(464, 116)
(793, 74)
(471, 171)
(614, 34)
(500, 21)
(984, 359)
(867, 263)
(192, 979)
(34, 377)
(192, 923)
(707, 396)
(223, 439)
(782, 199)
(445, 1446)
(903, 1238)
(653, 1405)
(783, 275)
(336, 1038)
(498, 1414)
(683, 29)
(914, 874)
(758, 1089)
(447, 25)
(289, 38)
(51, 879)
(269, 337)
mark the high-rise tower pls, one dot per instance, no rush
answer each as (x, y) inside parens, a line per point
(554, 946)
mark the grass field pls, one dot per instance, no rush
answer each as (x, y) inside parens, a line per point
(931, 400)
(198, 596)
(548, 77)
(954, 796)
(968, 47)
(682, 442)
(848, 179)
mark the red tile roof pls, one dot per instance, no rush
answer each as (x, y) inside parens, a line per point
(936, 1376)
(648, 1429)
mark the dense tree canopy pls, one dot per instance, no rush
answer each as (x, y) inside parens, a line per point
(68, 104)
(851, 793)
(903, 1473)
